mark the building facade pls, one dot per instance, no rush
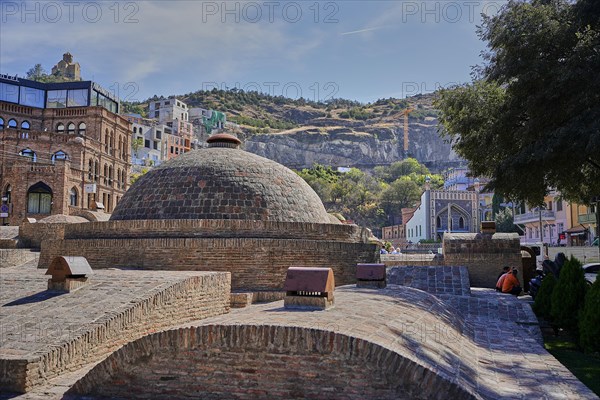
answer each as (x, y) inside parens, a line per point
(63, 148)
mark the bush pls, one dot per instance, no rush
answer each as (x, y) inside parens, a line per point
(569, 294)
(543, 300)
(589, 320)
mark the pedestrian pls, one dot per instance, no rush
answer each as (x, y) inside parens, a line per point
(501, 277)
(511, 283)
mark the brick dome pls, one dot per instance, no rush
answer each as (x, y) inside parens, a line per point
(221, 182)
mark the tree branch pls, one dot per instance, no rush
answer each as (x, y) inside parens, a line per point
(594, 163)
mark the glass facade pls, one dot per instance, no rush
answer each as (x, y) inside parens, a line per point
(77, 98)
(32, 97)
(56, 99)
(9, 92)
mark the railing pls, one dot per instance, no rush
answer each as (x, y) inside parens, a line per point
(586, 218)
(533, 216)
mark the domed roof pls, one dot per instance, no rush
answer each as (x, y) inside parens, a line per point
(221, 182)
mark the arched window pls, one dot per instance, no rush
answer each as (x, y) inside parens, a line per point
(1, 123)
(71, 128)
(91, 170)
(82, 127)
(29, 153)
(12, 123)
(25, 125)
(59, 155)
(438, 222)
(96, 170)
(73, 197)
(134, 129)
(110, 176)
(461, 223)
(39, 199)
(60, 128)
(7, 193)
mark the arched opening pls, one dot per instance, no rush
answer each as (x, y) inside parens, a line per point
(110, 176)
(71, 128)
(60, 128)
(91, 170)
(7, 193)
(82, 127)
(1, 123)
(39, 199)
(29, 153)
(461, 223)
(105, 174)
(12, 123)
(59, 155)
(25, 125)
(73, 197)
(96, 171)
(438, 222)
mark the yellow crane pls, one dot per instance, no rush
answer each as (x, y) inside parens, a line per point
(406, 112)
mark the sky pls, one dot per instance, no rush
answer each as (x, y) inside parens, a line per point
(360, 50)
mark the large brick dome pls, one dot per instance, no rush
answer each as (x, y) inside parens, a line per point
(221, 182)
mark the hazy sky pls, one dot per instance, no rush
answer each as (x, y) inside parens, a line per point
(362, 50)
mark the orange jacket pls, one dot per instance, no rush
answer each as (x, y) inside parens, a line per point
(509, 283)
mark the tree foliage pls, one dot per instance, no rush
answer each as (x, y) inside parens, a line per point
(372, 200)
(531, 119)
(569, 294)
(589, 320)
(543, 300)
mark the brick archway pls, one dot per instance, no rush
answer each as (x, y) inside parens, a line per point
(261, 361)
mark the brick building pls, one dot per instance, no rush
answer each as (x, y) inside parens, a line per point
(62, 147)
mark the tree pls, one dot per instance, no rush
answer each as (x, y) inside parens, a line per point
(136, 144)
(568, 294)
(401, 193)
(543, 300)
(36, 73)
(589, 320)
(530, 121)
(505, 221)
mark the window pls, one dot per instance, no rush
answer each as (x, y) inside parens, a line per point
(9, 93)
(56, 99)
(438, 222)
(12, 123)
(158, 134)
(25, 125)
(1, 124)
(77, 98)
(39, 199)
(71, 128)
(156, 114)
(147, 143)
(559, 205)
(59, 155)
(82, 127)
(550, 205)
(155, 145)
(461, 223)
(73, 197)
(134, 129)
(32, 97)
(29, 153)
(91, 170)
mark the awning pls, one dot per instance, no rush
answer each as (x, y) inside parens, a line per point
(576, 230)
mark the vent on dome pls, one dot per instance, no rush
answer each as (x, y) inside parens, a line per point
(223, 140)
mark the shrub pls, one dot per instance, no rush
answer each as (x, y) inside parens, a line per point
(543, 300)
(569, 294)
(589, 320)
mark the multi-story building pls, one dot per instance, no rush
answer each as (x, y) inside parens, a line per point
(583, 228)
(150, 141)
(548, 223)
(175, 114)
(63, 148)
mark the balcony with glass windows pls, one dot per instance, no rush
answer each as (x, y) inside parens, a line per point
(534, 216)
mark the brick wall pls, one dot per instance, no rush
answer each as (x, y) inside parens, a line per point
(192, 298)
(32, 235)
(249, 361)
(14, 257)
(255, 263)
(483, 254)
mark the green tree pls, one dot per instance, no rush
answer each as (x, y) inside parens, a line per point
(530, 120)
(136, 144)
(505, 221)
(569, 294)
(36, 73)
(589, 320)
(401, 193)
(543, 300)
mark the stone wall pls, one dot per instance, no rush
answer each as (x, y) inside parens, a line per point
(483, 254)
(249, 362)
(14, 257)
(255, 264)
(178, 300)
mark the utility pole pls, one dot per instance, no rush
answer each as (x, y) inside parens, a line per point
(541, 226)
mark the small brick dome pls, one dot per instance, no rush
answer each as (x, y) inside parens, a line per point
(221, 182)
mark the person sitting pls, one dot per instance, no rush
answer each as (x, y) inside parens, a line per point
(511, 283)
(383, 251)
(501, 277)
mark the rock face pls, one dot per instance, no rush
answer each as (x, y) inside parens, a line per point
(342, 143)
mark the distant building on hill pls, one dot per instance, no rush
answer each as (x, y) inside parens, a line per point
(66, 68)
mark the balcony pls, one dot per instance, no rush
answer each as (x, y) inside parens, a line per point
(586, 218)
(534, 216)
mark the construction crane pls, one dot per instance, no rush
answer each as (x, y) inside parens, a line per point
(406, 112)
